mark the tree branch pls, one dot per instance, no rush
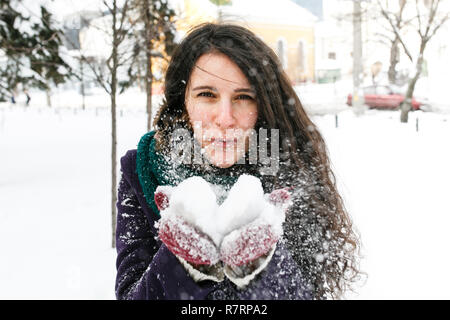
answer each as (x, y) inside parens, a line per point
(439, 25)
(418, 19)
(395, 30)
(99, 77)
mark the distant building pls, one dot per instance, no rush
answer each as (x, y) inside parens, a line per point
(285, 26)
(334, 42)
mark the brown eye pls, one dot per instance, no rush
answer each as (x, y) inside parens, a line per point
(205, 94)
(244, 97)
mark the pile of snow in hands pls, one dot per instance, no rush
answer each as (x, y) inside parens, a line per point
(196, 201)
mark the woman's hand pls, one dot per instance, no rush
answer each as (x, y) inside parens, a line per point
(246, 244)
(245, 251)
(183, 239)
(187, 242)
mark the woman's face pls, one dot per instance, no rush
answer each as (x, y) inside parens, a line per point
(222, 108)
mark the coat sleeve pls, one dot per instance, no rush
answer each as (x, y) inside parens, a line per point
(280, 280)
(146, 269)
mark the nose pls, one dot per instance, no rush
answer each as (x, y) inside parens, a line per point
(225, 117)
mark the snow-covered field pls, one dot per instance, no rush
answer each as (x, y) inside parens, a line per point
(395, 184)
(55, 184)
(55, 202)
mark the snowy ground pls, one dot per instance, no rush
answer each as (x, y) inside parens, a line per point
(54, 198)
(395, 184)
(54, 202)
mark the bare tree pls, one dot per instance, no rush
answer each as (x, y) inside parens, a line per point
(108, 79)
(395, 42)
(140, 31)
(427, 20)
(388, 37)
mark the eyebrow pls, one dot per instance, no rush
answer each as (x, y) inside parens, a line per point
(214, 89)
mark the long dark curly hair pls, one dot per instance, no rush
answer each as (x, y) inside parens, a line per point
(318, 230)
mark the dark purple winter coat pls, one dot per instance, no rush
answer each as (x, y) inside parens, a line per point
(146, 269)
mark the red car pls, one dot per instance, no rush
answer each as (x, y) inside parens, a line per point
(383, 97)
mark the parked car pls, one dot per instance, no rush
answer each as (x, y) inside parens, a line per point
(385, 97)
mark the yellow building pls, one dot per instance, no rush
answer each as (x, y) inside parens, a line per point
(285, 26)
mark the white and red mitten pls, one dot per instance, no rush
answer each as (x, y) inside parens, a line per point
(248, 243)
(181, 237)
(247, 250)
(255, 239)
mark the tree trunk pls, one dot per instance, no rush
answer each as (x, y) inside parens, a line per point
(394, 59)
(49, 97)
(406, 105)
(149, 85)
(395, 51)
(82, 89)
(148, 73)
(113, 165)
(139, 78)
(113, 126)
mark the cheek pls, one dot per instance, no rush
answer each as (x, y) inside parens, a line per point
(247, 118)
(201, 120)
(197, 113)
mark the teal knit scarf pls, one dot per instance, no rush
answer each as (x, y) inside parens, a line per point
(154, 169)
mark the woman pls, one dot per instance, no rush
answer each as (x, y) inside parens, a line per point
(222, 78)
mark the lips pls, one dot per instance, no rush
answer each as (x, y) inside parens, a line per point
(224, 141)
